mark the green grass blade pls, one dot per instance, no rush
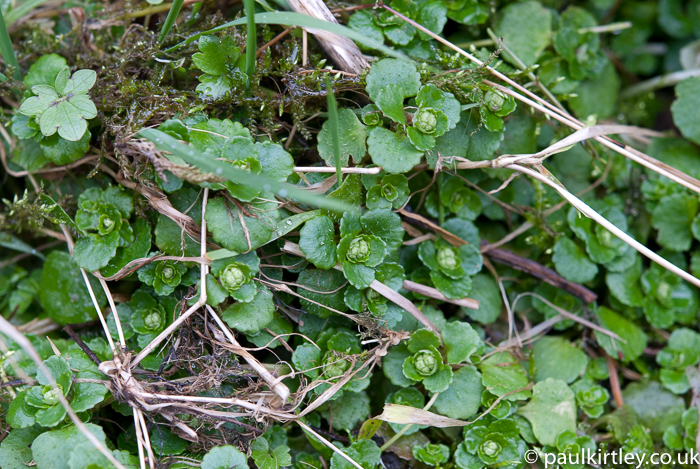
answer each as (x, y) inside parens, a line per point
(304, 21)
(21, 10)
(251, 47)
(168, 143)
(6, 49)
(335, 129)
(170, 19)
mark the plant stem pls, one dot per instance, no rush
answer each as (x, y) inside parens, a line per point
(170, 19)
(251, 38)
(659, 82)
(7, 51)
(401, 432)
(335, 129)
(607, 28)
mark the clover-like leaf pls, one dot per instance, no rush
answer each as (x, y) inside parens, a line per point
(64, 107)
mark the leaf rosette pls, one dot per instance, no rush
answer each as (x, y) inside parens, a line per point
(365, 242)
(425, 363)
(451, 269)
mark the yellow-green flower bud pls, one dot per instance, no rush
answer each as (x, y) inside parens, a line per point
(425, 120)
(425, 363)
(106, 225)
(358, 251)
(494, 101)
(389, 192)
(233, 277)
(168, 272)
(152, 320)
(447, 259)
(490, 448)
(334, 365)
(51, 395)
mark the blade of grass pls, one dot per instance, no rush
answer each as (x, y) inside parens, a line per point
(7, 51)
(167, 143)
(251, 38)
(335, 129)
(170, 19)
(21, 10)
(305, 21)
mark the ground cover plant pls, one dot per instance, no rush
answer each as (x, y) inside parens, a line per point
(422, 233)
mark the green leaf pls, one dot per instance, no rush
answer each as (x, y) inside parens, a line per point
(64, 107)
(683, 350)
(501, 374)
(88, 395)
(44, 70)
(51, 416)
(625, 285)
(324, 287)
(219, 59)
(362, 21)
(62, 151)
(453, 289)
(93, 252)
(597, 97)
(224, 222)
(224, 457)
(276, 163)
(268, 458)
(423, 339)
(635, 337)
(674, 380)
(393, 72)
(392, 151)
(14, 449)
(385, 224)
(392, 365)
(20, 414)
(352, 139)
(306, 357)
(673, 217)
(580, 49)
(486, 291)
(54, 449)
(252, 317)
(389, 99)
(433, 16)
(461, 341)
(63, 293)
(164, 442)
(685, 108)
(572, 263)
(556, 357)
(364, 452)
(316, 240)
(526, 29)
(463, 398)
(350, 410)
(136, 250)
(551, 411)
(655, 407)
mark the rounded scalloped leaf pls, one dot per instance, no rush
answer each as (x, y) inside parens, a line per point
(393, 72)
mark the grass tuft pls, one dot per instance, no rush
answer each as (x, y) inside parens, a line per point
(170, 20)
(7, 51)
